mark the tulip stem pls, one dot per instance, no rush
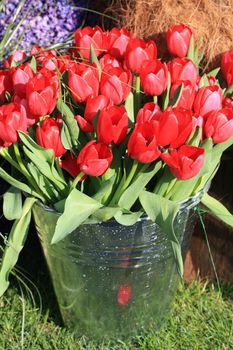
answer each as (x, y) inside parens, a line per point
(137, 96)
(76, 180)
(155, 99)
(124, 184)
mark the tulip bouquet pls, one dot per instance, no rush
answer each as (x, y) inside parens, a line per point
(107, 130)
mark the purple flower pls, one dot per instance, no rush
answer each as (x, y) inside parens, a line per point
(46, 22)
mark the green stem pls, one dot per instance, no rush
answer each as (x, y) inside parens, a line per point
(137, 96)
(76, 180)
(124, 184)
(155, 99)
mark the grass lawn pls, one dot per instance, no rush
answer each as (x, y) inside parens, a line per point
(201, 319)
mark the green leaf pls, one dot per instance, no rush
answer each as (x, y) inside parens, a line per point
(46, 169)
(214, 72)
(18, 184)
(163, 212)
(78, 208)
(43, 183)
(104, 189)
(176, 96)
(40, 152)
(15, 243)
(95, 60)
(229, 91)
(68, 118)
(127, 219)
(191, 49)
(12, 203)
(130, 195)
(65, 137)
(204, 81)
(129, 106)
(166, 95)
(217, 209)
(33, 64)
(105, 213)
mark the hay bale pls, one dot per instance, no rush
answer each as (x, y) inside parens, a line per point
(212, 20)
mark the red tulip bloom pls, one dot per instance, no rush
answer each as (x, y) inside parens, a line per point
(65, 62)
(112, 125)
(182, 69)
(138, 51)
(174, 127)
(83, 82)
(95, 104)
(95, 158)
(187, 95)
(17, 56)
(118, 40)
(20, 77)
(48, 135)
(116, 84)
(143, 145)
(69, 163)
(84, 124)
(87, 36)
(185, 162)
(219, 125)
(153, 77)
(12, 119)
(207, 99)
(41, 93)
(108, 60)
(227, 66)
(124, 295)
(5, 84)
(227, 102)
(178, 39)
(149, 112)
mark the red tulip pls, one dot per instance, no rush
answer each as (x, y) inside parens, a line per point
(83, 82)
(187, 95)
(109, 60)
(115, 83)
(178, 39)
(87, 36)
(219, 125)
(41, 93)
(12, 119)
(185, 162)
(20, 77)
(143, 145)
(208, 98)
(118, 40)
(227, 66)
(17, 56)
(150, 111)
(174, 127)
(112, 125)
(95, 158)
(138, 51)
(153, 77)
(69, 163)
(182, 69)
(48, 135)
(95, 104)
(227, 102)
(124, 295)
(65, 62)
(5, 84)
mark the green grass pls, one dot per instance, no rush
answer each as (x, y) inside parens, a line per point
(201, 319)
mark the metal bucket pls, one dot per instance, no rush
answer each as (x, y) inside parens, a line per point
(112, 280)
